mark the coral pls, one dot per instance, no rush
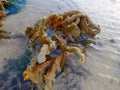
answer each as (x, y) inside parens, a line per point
(70, 32)
(1, 22)
(2, 13)
(76, 50)
(40, 34)
(74, 30)
(4, 34)
(54, 21)
(50, 76)
(70, 13)
(36, 73)
(41, 57)
(42, 75)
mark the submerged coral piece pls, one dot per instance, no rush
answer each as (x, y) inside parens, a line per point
(70, 32)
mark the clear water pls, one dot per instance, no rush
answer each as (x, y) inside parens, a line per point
(100, 71)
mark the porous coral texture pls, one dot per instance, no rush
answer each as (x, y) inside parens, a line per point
(57, 35)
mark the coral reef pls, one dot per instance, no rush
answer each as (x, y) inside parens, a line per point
(57, 35)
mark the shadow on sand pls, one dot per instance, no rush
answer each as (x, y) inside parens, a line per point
(11, 78)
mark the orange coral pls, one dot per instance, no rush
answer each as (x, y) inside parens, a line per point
(2, 13)
(57, 30)
(76, 50)
(70, 13)
(44, 74)
(36, 73)
(50, 76)
(54, 20)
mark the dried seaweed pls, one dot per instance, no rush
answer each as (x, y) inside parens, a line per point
(70, 32)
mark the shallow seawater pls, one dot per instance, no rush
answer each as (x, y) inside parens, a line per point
(100, 71)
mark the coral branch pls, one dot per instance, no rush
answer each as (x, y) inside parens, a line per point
(44, 74)
(76, 50)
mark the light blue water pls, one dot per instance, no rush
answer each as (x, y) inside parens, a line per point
(101, 70)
